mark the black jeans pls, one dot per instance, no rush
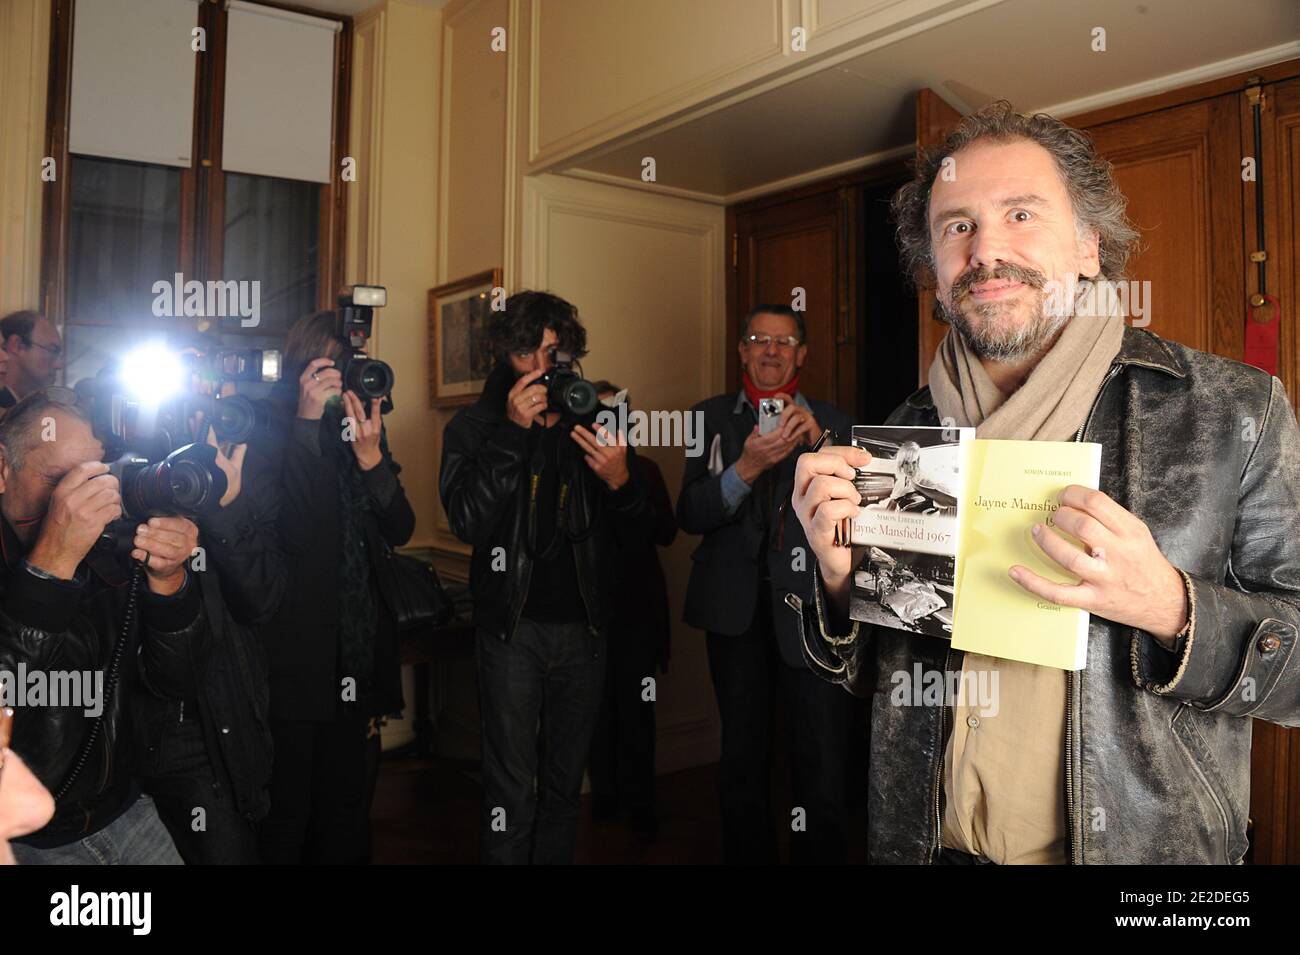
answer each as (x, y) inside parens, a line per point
(547, 672)
(193, 798)
(319, 808)
(623, 749)
(748, 673)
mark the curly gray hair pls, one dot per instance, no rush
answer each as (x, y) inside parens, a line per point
(1098, 204)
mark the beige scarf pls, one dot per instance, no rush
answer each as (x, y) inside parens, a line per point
(1054, 400)
(1003, 781)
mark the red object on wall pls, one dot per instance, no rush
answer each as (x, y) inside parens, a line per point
(1262, 337)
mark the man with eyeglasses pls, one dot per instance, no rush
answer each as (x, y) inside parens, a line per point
(737, 495)
(33, 351)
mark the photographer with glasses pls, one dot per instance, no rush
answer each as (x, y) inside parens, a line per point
(34, 354)
(548, 500)
(737, 497)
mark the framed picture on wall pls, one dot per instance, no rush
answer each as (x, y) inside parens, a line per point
(459, 357)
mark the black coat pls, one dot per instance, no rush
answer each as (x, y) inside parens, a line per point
(484, 489)
(302, 640)
(243, 580)
(643, 590)
(723, 588)
(55, 625)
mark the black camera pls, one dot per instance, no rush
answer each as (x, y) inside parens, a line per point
(137, 415)
(186, 483)
(568, 392)
(368, 378)
(234, 418)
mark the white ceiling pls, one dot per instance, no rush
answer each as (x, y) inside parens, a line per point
(1036, 53)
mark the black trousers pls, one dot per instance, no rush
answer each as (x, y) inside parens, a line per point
(194, 799)
(320, 789)
(549, 677)
(622, 763)
(748, 675)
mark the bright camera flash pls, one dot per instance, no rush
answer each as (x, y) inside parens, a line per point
(152, 373)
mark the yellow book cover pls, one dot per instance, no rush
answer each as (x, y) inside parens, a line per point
(1009, 486)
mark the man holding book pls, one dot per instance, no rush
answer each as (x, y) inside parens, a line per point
(1187, 558)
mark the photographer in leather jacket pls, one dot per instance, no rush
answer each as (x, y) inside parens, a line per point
(544, 501)
(1190, 564)
(66, 610)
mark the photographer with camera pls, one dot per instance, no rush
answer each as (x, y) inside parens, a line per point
(70, 608)
(547, 499)
(333, 645)
(752, 552)
(213, 751)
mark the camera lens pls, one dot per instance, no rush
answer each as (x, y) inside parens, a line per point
(233, 419)
(579, 397)
(368, 378)
(187, 482)
(188, 485)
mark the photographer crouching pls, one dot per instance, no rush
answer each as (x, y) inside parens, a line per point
(545, 496)
(69, 608)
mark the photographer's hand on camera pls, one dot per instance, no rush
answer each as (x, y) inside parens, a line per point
(82, 505)
(606, 454)
(761, 452)
(164, 545)
(798, 424)
(319, 382)
(366, 430)
(526, 401)
(823, 496)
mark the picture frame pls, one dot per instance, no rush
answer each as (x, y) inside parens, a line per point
(459, 357)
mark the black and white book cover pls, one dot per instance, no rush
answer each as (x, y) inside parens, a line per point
(904, 538)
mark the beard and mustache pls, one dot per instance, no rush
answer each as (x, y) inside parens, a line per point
(992, 332)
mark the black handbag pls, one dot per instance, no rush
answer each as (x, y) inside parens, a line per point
(412, 591)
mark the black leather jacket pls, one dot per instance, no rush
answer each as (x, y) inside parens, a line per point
(1157, 749)
(484, 490)
(54, 625)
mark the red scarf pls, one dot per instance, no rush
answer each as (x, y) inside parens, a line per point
(753, 392)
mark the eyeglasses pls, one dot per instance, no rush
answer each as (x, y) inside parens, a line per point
(782, 341)
(54, 350)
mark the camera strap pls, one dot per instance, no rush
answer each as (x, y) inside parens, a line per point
(110, 683)
(535, 469)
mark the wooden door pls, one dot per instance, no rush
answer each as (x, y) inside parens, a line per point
(808, 244)
(1180, 169)
(1275, 752)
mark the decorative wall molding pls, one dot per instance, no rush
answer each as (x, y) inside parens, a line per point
(1171, 81)
(24, 64)
(709, 83)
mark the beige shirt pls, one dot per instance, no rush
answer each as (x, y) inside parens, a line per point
(1004, 765)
